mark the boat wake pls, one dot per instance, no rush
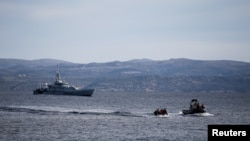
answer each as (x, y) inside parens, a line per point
(43, 110)
(46, 110)
(162, 116)
(205, 114)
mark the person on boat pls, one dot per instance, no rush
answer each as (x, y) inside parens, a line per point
(157, 111)
(198, 107)
(203, 106)
(165, 111)
(193, 106)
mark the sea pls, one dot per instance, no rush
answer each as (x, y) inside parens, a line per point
(117, 116)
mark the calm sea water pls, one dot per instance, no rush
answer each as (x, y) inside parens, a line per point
(115, 116)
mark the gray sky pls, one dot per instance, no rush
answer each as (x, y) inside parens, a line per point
(85, 31)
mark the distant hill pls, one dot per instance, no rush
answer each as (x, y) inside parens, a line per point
(8, 63)
(174, 75)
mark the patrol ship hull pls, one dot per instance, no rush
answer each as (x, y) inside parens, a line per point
(80, 92)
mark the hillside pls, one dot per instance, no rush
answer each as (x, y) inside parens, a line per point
(174, 75)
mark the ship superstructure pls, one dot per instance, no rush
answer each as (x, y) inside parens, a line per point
(61, 87)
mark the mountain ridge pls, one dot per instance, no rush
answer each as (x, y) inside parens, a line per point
(173, 75)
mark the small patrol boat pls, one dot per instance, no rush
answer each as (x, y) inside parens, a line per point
(195, 107)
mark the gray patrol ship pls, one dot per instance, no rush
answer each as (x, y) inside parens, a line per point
(60, 87)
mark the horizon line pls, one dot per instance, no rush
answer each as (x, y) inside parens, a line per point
(136, 59)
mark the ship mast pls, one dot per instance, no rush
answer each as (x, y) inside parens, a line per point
(58, 77)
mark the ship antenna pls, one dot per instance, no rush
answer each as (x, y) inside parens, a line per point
(58, 74)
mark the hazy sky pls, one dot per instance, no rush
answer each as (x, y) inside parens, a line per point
(85, 31)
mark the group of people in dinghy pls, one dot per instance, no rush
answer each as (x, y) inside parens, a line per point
(195, 107)
(161, 112)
